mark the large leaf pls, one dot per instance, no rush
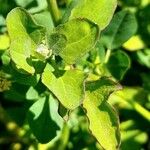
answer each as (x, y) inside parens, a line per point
(103, 121)
(98, 11)
(118, 64)
(44, 119)
(121, 28)
(25, 35)
(73, 39)
(68, 88)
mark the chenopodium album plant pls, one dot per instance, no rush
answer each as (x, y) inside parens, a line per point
(50, 55)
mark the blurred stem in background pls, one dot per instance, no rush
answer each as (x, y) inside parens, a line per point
(54, 10)
(136, 106)
(108, 53)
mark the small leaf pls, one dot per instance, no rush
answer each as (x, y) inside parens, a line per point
(103, 121)
(98, 11)
(120, 29)
(44, 119)
(118, 64)
(68, 88)
(25, 35)
(143, 57)
(32, 94)
(23, 3)
(135, 43)
(74, 39)
(5, 41)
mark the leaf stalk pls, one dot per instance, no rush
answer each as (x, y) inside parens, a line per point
(54, 11)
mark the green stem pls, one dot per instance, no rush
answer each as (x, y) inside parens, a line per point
(137, 107)
(54, 10)
(108, 53)
(141, 110)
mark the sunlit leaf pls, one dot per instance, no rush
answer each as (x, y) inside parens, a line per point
(25, 35)
(98, 11)
(68, 87)
(103, 121)
(76, 38)
(4, 42)
(135, 43)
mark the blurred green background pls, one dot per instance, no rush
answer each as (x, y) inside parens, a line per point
(132, 103)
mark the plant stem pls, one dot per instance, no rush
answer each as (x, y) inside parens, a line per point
(54, 10)
(141, 110)
(108, 53)
(137, 107)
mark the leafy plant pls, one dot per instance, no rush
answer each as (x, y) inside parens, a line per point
(62, 67)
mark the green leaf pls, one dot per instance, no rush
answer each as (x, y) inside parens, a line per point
(23, 3)
(39, 7)
(143, 57)
(121, 28)
(100, 52)
(44, 119)
(44, 19)
(77, 37)
(24, 79)
(68, 88)
(5, 58)
(5, 41)
(103, 120)
(2, 20)
(57, 42)
(98, 11)
(118, 64)
(32, 94)
(132, 137)
(25, 36)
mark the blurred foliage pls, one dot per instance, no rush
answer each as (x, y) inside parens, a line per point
(129, 63)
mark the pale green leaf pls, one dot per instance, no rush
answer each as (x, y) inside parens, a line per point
(25, 35)
(77, 37)
(23, 3)
(98, 11)
(143, 57)
(121, 28)
(68, 88)
(44, 19)
(103, 120)
(32, 94)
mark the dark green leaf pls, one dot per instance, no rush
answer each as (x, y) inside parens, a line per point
(118, 64)
(120, 29)
(44, 119)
